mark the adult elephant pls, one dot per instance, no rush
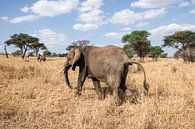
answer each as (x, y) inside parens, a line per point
(108, 64)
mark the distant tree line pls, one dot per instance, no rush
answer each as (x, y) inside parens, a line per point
(25, 43)
(138, 43)
(79, 43)
(184, 42)
(28, 46)
(135, 43)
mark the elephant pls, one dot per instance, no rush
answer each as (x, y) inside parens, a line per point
(41, 58)
(107, 64)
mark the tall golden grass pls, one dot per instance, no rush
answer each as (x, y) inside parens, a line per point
(32, 95)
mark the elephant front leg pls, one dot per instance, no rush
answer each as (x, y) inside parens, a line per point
(81, 80)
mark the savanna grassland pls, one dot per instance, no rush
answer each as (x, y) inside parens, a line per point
(33, 95)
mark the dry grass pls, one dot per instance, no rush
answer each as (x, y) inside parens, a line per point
(33, 96)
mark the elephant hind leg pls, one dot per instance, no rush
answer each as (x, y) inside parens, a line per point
(118, 100)
(98, 88)
(114, 82)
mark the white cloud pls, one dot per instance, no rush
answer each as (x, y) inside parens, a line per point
(153, 13)
(193, 1)
(50, 37)
(85, 27)
(53, 8)
(4, 18)
(114, 35)
(193, 10)
(25, 9)
(126, 29)
(162, 31)
(91, 15)
(48, 8)
(23, 19)
(141, 24)
(184, 4)
(90, 5)
(153, 3)
(127, 16)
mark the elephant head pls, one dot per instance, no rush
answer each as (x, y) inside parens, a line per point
(72, 60)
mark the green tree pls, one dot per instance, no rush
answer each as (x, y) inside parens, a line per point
(17, 53)
(128, 50)
(37, 47)
(183, 41)
(71, 46)
(22, 41)
(6, 53)
(138, 41)
(79, 43)
(47, 53)
(163, 55)
(54, 54)
(177, 54)
(62, 55)
(155, 52)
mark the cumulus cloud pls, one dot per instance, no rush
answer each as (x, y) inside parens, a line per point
(114, 35)
(50, 37)
(141, 24)
(184, 4)
(126, 29)
(53, 8)
(127, 16)
(162, 31)
(94, 16)
(25, 9)
(85, 27)
(4, 18)
(193, 10)
(49, 8)
(153, 3)
(90, 5)
(23, 19)
(91, 15)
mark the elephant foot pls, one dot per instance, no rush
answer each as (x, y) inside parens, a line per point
(77, 94)
(118, 102)
(101, 96)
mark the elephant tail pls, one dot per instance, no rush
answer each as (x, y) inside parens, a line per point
(145, 84)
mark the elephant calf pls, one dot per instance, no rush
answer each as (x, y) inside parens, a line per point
(108, 64)
(41, 58)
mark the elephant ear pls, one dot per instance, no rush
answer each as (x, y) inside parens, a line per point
(76, 57)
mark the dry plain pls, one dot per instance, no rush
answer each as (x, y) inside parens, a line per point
(33, 96)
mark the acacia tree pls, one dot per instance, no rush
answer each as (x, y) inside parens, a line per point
(128, 50)
(155, 52)
(5, 49)
(138, 41)
(22, 41)
(79, 43)
(184, 42)
(37, 47)
(47, 53)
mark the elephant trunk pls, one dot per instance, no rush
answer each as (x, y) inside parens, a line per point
(66, 68)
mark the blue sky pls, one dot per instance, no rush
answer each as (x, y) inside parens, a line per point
(57, 23)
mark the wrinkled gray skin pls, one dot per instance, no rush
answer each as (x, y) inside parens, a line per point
(108, 64)
(41, 58)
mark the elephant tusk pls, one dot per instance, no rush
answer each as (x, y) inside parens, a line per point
(59, 71)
